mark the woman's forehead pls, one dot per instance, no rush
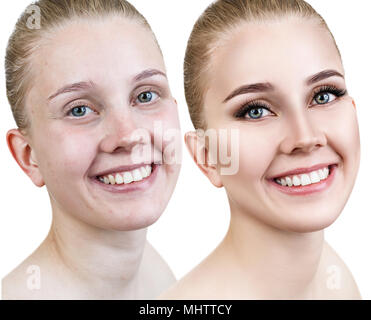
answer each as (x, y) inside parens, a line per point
(109, 52)
(272, 50)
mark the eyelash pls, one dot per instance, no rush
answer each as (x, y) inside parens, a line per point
(135, 101)
(247, 107)
(146, 90)
(76, 105)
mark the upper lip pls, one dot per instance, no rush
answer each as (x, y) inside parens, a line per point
(121, 169)
(303, 170)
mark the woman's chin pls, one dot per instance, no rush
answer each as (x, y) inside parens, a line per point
(136, 221)
(310, 222)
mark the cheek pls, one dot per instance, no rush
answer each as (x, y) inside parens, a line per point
(166, 130)
(343, 132)
(255, 151)
(168, 116)
(67, 157)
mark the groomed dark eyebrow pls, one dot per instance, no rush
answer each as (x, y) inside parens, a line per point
(256, 87)
(147, 74)
(323, 75)
(78, 86)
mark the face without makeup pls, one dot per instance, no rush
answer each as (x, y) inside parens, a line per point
(86, 131)
(293, 123)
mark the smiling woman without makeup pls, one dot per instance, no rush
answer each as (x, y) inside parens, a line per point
(270, 70)
(87, 90)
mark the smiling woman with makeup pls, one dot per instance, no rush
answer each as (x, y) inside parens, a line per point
(87, 90)
(271, 71)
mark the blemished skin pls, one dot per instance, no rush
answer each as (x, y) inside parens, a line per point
(97, 242)
(275, 247)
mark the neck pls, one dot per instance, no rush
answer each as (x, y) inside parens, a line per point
(276, 263)
(104, 261)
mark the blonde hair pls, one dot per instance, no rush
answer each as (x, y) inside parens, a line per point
(217, 20)
(24, 39)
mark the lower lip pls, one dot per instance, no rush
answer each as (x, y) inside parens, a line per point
(309, 189)
(141, 185)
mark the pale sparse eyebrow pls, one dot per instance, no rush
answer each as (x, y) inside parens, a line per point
(256, 87)
(78, 86)
(84, 85)
(323, 75)
(147, 74)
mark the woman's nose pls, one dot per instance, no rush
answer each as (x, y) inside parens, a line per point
(122, 132)
(302, 134)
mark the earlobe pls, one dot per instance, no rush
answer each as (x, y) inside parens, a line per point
(200, 155)
(24, 156)
(354, 104)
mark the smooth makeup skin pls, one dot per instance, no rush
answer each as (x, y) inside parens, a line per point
(275, 246)
(95, 83)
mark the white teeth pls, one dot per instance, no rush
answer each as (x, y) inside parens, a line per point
(321, 174)
(111, 179)
(119, 179)
(296, 181)
(314, 177)
(326, 172)
(149, 169)
(137, 176)
(128, 178)
(144, 172)
(304, 179)
(288, 182)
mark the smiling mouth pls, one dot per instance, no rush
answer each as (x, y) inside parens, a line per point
(127, 177)
(305, 179)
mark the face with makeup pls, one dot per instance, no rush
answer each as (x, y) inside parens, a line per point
(281, 86)
(99, 90)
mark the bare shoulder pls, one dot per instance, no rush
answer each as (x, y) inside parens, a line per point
(186, 288)
(340, 283)
(23, 283)
(156, 273)
(38, 277)
(203, 282)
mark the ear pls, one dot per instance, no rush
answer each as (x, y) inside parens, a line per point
(200, 155)
(24, 155)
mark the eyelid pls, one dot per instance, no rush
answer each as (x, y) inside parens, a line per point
(327, 88)
(78, 103)
(252, 104)
(143, 89)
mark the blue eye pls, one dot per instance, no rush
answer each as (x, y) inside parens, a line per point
(323, 98)
(253, 111)
(256, 113)
(80, 111)
(327, 94)
(147, 96)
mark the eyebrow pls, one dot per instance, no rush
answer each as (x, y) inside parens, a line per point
(77, 86)
(84, 85)
(256, 87)
(324, 75)
(264, 87)
(147, 74)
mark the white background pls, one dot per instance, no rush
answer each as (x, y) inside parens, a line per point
(197, 216)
